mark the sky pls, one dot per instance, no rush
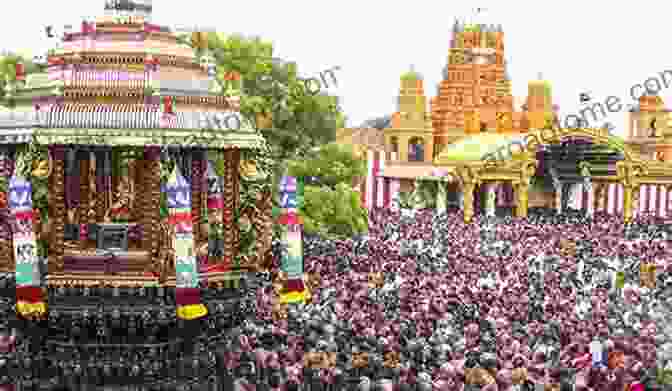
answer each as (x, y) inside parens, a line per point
(591, 46)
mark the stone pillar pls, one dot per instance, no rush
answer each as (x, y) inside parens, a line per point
(490, 199)
(522, 196)
(599, 196)
(460, 198)
(636, 192)
(403, 148)
(468, 200)
(627, 201)
(574, 195)
(559, 188)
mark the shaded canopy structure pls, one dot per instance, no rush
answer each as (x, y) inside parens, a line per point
(591, 156)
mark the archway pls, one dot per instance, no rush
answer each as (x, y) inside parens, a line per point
(394, 144)
(569, 159)
(416, 149)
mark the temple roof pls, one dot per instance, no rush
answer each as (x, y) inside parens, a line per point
(70, 125)
(478, 146)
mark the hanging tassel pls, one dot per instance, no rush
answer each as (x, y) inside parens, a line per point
(187, 292)
(29, 299)
(215, 206)
(20, 72)
(291, 193)
(168, 104)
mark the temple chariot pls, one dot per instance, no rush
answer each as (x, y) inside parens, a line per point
(120, 171)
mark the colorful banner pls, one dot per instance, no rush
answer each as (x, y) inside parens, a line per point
(292, 262)
(291, 199)
(29, 300)
(187, 292)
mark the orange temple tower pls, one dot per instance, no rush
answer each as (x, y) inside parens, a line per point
(475, 95)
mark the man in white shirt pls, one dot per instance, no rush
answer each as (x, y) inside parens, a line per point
(596, 352)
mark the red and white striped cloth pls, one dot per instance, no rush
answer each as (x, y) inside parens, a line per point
(379, 192)
(375, 190)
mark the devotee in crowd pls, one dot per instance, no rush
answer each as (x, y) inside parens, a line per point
(531, 303)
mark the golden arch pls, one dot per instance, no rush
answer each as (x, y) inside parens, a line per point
(630, 173)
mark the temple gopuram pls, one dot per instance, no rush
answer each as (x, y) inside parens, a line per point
(469, 147)
(120, 170)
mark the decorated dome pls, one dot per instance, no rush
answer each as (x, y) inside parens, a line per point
(131, 82)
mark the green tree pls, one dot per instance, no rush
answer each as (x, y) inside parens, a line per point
(332, 163)
(334, 208)
(301, 120)
(333, 212)
(8, 63)
(269, 88)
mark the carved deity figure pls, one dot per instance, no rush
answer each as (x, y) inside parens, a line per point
(124, 198)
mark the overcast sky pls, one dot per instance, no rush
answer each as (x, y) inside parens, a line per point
(598, 46)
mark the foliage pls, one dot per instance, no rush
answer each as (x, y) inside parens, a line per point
(8, 72)
(301, 120)
(332, 163)
(423, 195)
(334, 208)
(663, 376)
(404, 200)
(333, 212)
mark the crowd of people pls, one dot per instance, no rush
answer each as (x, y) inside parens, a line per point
(428, 302)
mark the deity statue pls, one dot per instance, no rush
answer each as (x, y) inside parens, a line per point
(125, 197)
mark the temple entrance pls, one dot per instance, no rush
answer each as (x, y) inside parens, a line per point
(563, 179)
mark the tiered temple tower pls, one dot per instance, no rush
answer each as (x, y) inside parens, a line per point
(410, 133)
(538, 109)
(475, 86)
(475, 95)
(650, 128)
